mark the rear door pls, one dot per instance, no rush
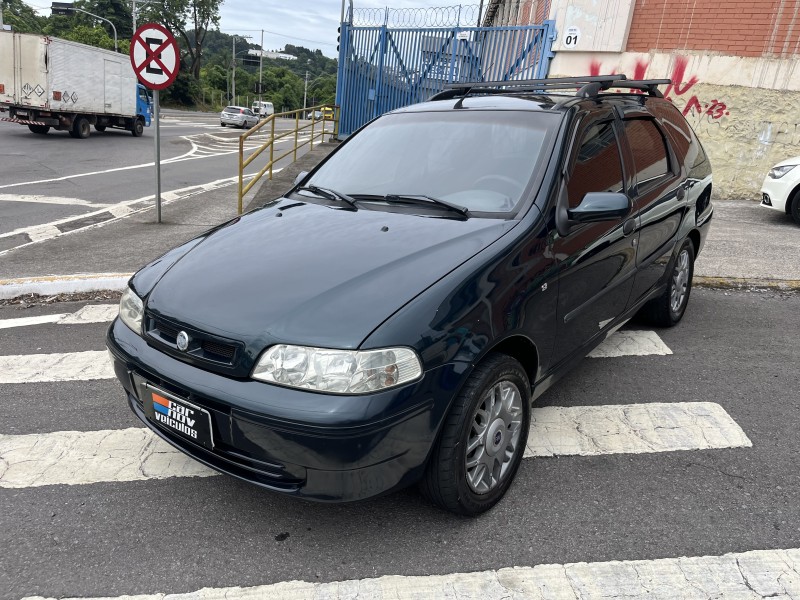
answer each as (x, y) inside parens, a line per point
(597, 260)
(30, 70)
(658, 196)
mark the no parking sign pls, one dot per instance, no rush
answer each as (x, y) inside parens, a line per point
(155, 58)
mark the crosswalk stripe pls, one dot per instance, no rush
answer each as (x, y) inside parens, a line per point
(92, 313)
(76, 366)
(632, 429)
(62, 366)
(630, 342)
(84, 457)
(71, 457)
(753, 574)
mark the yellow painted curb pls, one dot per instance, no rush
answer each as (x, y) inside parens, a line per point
(50, 285)
(737, 283)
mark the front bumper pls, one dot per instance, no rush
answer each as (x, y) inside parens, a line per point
(321, 447)
(775, 192)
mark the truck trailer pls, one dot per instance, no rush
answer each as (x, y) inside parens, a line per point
(48, 83)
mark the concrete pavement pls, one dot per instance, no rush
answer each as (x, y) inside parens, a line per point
(748, 246)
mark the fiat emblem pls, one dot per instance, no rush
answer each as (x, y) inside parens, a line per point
(183, 341)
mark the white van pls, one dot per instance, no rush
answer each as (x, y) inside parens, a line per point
(263, 109)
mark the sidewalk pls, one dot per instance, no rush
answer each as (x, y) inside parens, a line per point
(748, 246)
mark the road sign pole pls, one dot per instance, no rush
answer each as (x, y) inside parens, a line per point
(156, 117)
(155, 59)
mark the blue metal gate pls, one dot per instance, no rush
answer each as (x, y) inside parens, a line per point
(382, 68)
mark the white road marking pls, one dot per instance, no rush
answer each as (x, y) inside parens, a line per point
(68, 366)
(741, 575)
(84, 457)
(26, 321)
(632, 429)
(69, 457)
(91, 313)
(630, 342)
(49, 200)
(40, 233)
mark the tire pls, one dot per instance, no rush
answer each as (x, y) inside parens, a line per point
(39, 129)
(81, 129)
(795, 208)
(222, 124)
(100, 127)
(138, 128)
(460, 481)
(667, 310)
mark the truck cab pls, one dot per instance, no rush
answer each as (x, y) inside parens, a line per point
(144, 104)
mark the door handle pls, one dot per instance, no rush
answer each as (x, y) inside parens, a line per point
(628, 226)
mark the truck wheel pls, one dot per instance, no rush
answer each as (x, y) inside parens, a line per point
(138, 128)
(100, 127)
(40, 129)
(81, 128)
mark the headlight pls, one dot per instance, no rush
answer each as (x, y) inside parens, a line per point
(778, 172)
(131, 310)
(337, 371)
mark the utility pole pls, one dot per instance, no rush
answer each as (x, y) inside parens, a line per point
(305, 92)
(260, 64)
(233, 68)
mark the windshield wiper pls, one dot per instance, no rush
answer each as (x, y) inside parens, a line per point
(422, 199)
(329, 194)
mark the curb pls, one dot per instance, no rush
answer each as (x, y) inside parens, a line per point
(746, 283)
(63, 284)
(52, 285)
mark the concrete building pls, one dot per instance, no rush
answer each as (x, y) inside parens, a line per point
(734, 68)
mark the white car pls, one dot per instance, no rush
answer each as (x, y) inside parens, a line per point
(238, 116)
(781, 188)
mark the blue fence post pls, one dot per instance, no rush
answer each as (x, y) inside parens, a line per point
(548, 37)
(381, 59)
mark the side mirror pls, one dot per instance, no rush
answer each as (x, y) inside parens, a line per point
(601, 206)
(300, 176)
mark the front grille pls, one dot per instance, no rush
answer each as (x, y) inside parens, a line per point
(765, 200)
(201, 345)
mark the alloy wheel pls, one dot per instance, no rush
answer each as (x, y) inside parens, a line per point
(680, 281)
(494, 436)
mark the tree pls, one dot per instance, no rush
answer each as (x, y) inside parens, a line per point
(190, 20)
(21, 17)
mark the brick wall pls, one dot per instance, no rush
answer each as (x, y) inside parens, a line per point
(739, 27)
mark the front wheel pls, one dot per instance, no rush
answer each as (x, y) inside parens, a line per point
(667, 310)
(482, 440)
(138, 128)
(795, 210)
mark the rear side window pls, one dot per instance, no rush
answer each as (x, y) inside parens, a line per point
(230, 109)
(597, 166)
(648, 149)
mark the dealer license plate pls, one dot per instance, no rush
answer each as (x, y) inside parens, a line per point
(177, 415)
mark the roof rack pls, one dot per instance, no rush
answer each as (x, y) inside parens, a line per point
(589, 87)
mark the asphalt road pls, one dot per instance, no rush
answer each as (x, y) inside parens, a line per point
(179, 534)
(45, 179)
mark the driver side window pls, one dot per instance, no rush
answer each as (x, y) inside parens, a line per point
(597, 165)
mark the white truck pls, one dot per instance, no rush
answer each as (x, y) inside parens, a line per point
(47, 82)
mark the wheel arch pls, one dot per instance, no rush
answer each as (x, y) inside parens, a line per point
(794, 196)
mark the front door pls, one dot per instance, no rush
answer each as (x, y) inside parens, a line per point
(597, 259)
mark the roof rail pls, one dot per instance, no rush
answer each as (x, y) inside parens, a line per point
(589, 87)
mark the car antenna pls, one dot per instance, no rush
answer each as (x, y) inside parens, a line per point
(460, 102)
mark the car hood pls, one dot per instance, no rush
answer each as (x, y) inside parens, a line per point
(311, 274)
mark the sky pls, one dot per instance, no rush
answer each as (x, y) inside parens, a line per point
(308, 23)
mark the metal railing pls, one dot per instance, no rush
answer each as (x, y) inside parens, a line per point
(298, 115)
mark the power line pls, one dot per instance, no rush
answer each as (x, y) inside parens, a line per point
(291, 37)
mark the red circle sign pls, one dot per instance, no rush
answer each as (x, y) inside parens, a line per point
(155, 56)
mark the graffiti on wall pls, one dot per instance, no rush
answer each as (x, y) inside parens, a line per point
(680, 89)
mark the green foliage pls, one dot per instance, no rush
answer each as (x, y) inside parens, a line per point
(91, 36)
(21, 17)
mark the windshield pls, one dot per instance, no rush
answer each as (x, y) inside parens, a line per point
(480, 160)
